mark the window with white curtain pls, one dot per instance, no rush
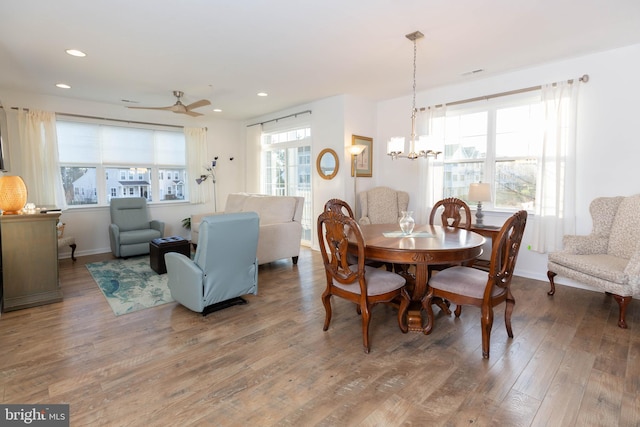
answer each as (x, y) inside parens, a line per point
(496, 141)
(286, 166)
(100, 161)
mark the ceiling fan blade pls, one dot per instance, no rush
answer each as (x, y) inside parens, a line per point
(198, 104)
(152, 108)
(179, 107)
(191, 113)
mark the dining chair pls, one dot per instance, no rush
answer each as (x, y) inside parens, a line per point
(451, 217)
(361, 284)
(470, 286)
(340, 206)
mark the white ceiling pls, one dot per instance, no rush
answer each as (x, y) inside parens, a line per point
(296, 50)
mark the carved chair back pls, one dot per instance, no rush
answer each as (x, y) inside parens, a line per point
(452, 212)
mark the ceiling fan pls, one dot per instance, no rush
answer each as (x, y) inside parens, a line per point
(179, 107)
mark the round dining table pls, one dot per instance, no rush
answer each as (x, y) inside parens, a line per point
(426, 245)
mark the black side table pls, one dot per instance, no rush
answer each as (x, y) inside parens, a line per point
(159, 247)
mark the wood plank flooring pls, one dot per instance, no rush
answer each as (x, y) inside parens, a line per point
(268, 363)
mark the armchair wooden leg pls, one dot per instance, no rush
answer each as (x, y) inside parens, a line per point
(551, 275)
(622, 302)
(73, 251)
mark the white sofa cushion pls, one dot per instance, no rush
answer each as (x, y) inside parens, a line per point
(272, 209)
(235, 202)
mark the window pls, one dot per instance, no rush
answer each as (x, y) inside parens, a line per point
(286, 168)
(497, 141)
(99, 162)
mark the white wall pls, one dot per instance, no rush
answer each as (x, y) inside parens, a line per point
(89, 225)
(608, 146)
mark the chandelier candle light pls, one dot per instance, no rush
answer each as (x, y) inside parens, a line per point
(417, 148)
(479, 192)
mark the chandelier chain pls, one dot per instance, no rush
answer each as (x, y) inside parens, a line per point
(395, 146)
(415, 54)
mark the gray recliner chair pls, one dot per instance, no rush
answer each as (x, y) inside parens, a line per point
(131, 230)
(224, 267)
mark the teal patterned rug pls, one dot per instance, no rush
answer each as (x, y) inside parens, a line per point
(130, 284)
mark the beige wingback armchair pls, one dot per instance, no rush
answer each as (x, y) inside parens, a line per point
(609, 257)
(382, 205)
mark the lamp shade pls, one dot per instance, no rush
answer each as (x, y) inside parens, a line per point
(479, 192)
(356, 149)
(395, 145)
(13, 194)
(422, 143)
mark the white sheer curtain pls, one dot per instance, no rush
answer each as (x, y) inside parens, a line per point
(254, 155)
(556, 186)
(40, 165)
(430, 170)
(196, 144)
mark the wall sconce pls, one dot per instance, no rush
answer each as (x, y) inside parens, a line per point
(479, 192)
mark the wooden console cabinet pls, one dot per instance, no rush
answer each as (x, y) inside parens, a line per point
(29, 263)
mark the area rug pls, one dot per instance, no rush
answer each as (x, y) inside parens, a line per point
(130, 284)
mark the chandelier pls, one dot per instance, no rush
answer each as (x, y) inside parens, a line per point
(417, 147)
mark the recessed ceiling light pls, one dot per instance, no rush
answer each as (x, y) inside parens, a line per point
(217, 110)
(262, 94)
(63, 86)
(76, 52)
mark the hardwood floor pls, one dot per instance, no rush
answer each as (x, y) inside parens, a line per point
(269, 362)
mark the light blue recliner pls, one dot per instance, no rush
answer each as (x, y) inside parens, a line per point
(131, 230)
(224, 268)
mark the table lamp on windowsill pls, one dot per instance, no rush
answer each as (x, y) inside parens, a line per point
(479, 192)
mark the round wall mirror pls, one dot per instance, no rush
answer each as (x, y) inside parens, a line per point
(327, 163)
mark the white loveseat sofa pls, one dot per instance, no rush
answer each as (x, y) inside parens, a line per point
(280, 226)
(609, 257)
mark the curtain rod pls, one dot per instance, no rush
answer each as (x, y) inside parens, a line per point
(283, 117)
(81, 116)
(583, 79)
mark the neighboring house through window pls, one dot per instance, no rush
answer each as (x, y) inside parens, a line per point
(496, 141)
(100, 161)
